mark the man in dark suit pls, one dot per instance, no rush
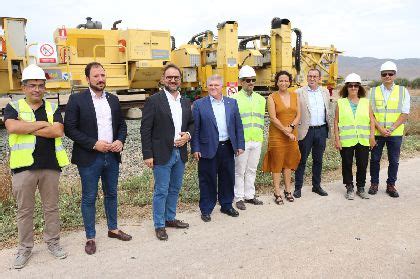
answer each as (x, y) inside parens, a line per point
(94, 121)
(218, 137)
(166, 127)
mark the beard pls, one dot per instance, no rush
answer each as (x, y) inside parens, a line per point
(170, 90)
(98, 87)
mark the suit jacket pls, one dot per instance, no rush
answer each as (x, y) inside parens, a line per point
(81, 126)
(157, 128)
(305, 115)
(206, 134)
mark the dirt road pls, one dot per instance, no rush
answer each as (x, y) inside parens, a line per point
(315, 237)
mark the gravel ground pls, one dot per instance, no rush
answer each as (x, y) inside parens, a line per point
(132, 162)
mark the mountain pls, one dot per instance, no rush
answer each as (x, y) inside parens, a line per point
(368, 67)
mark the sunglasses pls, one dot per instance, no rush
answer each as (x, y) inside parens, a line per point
(387, 74)
(249, 80)
(353, 85)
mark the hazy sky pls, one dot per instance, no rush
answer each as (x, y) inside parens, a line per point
(375, 28)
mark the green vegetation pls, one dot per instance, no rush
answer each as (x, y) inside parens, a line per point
(415, 83)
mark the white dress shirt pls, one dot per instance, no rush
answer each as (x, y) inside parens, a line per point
(316, 107)
(103, 117)
(405, 102)
(220, 115)
(176, 111)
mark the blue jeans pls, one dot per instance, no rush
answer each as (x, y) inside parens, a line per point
(106, 167)
(393, 146)
(315, 141)
(168, 182)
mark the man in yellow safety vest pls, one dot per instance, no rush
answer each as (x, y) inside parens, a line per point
(37, 155)
(252, 109)
(391, 106)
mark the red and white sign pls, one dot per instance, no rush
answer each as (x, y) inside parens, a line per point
(62, 32)
(47, 54)
(231, 88)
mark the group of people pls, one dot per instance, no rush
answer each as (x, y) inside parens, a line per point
(226, 135)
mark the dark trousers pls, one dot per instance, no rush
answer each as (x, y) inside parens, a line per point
(217, 179)
(314, 140)
(393, 146)
(362, 158)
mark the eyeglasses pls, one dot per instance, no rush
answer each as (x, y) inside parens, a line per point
(309, 77)
(36, 86)
(353, 85)
(387, 74)
(249, 80)
(176, 78)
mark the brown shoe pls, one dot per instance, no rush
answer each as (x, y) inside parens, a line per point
(391, 191)
(373, 189)
(176, 224)
(161, 234)
(90, 247)
(240, 205)
(120, 235)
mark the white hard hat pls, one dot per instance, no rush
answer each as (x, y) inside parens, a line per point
(353, 78)
(389, 66)
(246, 72)
(33, 72)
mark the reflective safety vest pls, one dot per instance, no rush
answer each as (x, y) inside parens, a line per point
(353, 128)
(252, 110)
(387, 113)
(22, 146)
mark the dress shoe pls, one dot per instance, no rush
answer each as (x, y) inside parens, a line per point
(240, 205)
(120, 235)
(176, 224)
(373, 189)
(90, 247)
(231, 212)
(297, 194)
(254, 201)
(319, 191)
(206, 217)
(161, 234)
(391, 191)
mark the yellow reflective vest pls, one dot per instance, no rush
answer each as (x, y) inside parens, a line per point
(387, 113)
(22, 146)
(353, 128)
(252, 110)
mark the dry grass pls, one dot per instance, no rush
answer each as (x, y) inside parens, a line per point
(413, 123)
(5, 182)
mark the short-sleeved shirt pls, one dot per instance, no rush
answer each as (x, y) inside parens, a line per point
(44, 153)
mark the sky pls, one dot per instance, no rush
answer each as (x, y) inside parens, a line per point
(360, 28)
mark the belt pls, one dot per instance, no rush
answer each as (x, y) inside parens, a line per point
(224, 142)
(317, 127)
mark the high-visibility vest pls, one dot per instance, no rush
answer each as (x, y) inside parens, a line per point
(22, 146)
(387, 113)
(252, 111)
(353, 128)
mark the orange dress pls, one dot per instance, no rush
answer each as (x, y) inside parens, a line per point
(282, 153)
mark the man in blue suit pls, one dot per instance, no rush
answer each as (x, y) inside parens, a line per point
(218, 137)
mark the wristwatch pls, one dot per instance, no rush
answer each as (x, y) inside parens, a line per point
(292, 125)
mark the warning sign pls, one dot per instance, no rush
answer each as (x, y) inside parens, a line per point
(47, 54)
(231, 88)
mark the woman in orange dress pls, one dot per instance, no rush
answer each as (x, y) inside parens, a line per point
(283, 153)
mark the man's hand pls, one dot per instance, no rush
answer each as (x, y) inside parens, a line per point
(102, 146)
(182, 140)
(197, 155)
(116, 146)
(149, 162)
(384, 132)
(239, 152)
(372, 142)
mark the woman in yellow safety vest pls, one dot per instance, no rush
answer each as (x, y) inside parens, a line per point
(354, 130)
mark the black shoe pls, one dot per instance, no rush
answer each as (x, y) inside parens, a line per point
(231, 212)
(161, 234)
(373, 189)
(206, 217)
(254, 201)
(319, 191)
(391, 191)
(297, 194)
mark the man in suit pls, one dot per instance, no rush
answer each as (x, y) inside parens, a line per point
(94, 121)
(218, 137)
(312, 131)
(166, 127)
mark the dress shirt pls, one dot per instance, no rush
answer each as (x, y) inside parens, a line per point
(405, 103)
(316, 107)
(103, 117)
(220, 115)
(176, 111)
